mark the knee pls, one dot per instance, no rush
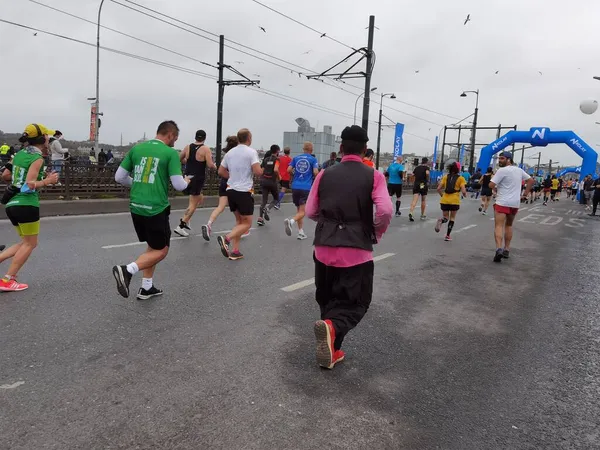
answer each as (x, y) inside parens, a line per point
(164, 252)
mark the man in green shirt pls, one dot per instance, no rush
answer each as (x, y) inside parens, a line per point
(152, 164)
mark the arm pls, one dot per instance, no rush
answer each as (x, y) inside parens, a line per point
(427, 177)
(315, 167)
(383, 205)
(122, 177)
(496, 179)
(463, 187)
(7, 175)
(58, 148)
(209, 161)
(277, 175)
(183, 156)
(528, 184)
(256, 169)
(32, 175)
(174, 168)
(312, 204)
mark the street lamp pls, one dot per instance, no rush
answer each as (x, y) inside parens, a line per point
(597, 78)
(379, 129)
(97, 114)
(356, 103)
(464, 94)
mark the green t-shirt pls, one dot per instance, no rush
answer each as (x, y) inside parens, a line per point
(21, 164)
(151, 164)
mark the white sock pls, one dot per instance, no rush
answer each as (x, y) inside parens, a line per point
(209, 223)
(292, 222)
(146, 283)
(300, 231)
(133, 268)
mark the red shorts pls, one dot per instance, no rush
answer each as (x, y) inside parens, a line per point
(506, 210)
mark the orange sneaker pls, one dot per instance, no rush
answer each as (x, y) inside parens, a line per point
(325, 334)
(338, 356)
(11, 285)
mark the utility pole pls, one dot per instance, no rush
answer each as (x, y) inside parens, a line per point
(441, 166)
(379, 128)
(368, 73)
(538, 166)
(522, 156)
(472, 154)
(550, 168)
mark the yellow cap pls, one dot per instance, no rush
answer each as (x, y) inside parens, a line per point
(34, 130)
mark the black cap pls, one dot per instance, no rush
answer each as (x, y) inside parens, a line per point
(355, 133)
(200, 135)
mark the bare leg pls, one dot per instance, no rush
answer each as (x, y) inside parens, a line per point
(10, 252)
(194, 202)
(499, 223)
(508, 231)
(299, 217)
(243, 224)
(423, 204)
(147, 261)
(223, 202)
(22, 254)
(413, 204)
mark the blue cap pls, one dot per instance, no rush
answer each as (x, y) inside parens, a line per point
(507, 155)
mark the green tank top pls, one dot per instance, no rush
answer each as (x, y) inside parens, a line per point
(21, 164)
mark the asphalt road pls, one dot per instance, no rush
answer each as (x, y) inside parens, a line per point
(456, 352)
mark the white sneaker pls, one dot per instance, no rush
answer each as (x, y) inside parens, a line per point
(288, 227)
(181, 232)
(246, 234)
(302, 236)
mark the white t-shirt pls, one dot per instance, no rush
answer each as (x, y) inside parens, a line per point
(238, 161)
(508, 182)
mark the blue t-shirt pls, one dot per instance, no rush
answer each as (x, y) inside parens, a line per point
(394, 172)
(466, 176)
(303, 171)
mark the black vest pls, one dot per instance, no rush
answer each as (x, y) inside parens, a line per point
(346, 207)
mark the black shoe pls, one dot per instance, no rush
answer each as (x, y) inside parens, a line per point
(234, 256)
(2, 247)
(505, 254)
(184, 225)
(410, 217)
(224, 246)
(144, 294)
(260, 222)
(498, 256)
(123, 278)
(266, 214)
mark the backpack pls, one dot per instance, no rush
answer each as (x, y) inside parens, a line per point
(269, 166)
(451, 184)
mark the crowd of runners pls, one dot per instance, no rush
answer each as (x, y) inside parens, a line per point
(351, 202)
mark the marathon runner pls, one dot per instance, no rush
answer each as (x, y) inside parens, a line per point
(239, 166)
(395, 175)
(268, 182)
(22, 200)
(232, 141)
(507, 182)
(368, 158)
(197, 158)
(450, 188)
(574, 189)
(554, 188)
(547, 188)
(420, 187)
(284, 175)
(476, 183)
(304, 168)
(153, 163)
(596, 196)
(345, 194)
(486, 191)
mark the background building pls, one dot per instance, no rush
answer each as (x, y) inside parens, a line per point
(324, 141)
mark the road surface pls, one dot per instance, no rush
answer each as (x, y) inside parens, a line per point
(456, 352)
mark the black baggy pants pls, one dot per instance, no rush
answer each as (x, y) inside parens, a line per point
(268, 187)
(344, 295)
(595, 201)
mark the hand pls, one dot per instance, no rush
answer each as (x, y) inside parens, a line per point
(187, 179)
(52, 178)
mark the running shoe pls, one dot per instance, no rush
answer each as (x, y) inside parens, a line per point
(410, 217)
(302, 236)
(325, 335)
(206, 229)
(260, 222)
(123, 278)
(277, 206)
(480, 208)
(498, 255)
(222, 241)
(246, 234)
(423, 217)
(2, 247)
(506, 254)
(144, 294)
(438, 224)
(484, 213)
(266, 214)
(288, 227)
(338, 356)
(234, 256)
(185, 226)
(398, 214)
(12, 285)
(181, 232)
(447, 238)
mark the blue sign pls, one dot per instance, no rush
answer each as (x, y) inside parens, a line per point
(398, 140)
(462, 154)
(435, 149)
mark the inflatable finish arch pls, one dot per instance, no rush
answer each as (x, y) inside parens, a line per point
(567, 170)
(541, 137)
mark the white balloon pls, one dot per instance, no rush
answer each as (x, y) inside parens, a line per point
(588, 106)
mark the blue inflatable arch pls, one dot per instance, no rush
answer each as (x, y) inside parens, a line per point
(567, 170)
(541, 137)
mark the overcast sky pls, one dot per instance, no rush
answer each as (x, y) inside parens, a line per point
(48, 79)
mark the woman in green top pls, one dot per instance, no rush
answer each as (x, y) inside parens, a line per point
(23, 209)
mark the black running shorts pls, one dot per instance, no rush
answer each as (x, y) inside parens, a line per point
(195, 186)
(285, 184)
(242, 202)
(445, 207)
(486, 192)
(299, 197)
(395, 189)
(420, 188)
(154, 230)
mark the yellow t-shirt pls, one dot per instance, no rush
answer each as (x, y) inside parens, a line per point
(555, 184)
(452, 199)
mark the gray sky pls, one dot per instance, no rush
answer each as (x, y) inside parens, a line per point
(518, 38)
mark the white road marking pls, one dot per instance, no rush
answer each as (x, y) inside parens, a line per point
(468, 227)
(12, 386)
(178, 238)
(305, 283)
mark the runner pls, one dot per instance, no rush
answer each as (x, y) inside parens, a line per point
(396, 174)
(547, 189)
(450, 188)
(345, 194)
(420, 187)
(197, 158)
(368, 158)
(569, 187)
(476, 183)
(268, 183)
(574, 189)
(596, 196)
(304, 168)
(232, 141)
(152, 164)
(22, 200)
(284, 175)
(332, 161)
(560, 188)
(239, 167)
(553, 188)
(486, 191)
(507, 182)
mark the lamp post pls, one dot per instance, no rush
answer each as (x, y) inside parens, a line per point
(356, 103)
(379, 129)
(472, 158)
(98, 113)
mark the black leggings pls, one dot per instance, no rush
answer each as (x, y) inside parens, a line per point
(595, 201)
(268, 187)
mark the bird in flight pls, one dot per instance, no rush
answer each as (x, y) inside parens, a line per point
(323, 35)
(468, 19)
(417, 71)
(540, 73)
(306, 53)
(256, 75)
(35, 34)
(262, 28)
(239, 62)
(497, 71)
